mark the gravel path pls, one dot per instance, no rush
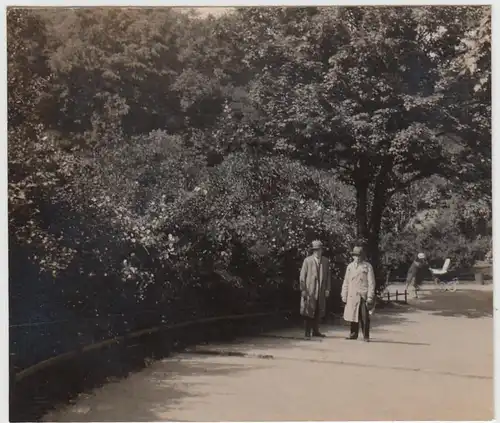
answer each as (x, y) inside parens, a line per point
(432, 360)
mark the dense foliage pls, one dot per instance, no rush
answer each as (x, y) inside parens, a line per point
(159, 158)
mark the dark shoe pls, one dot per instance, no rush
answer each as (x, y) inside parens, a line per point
(366, 339)
(351, 338)
(319, 335)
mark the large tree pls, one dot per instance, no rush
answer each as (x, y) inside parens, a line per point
(466, 82)
(136, 70)
(33, 160)
(355, 90)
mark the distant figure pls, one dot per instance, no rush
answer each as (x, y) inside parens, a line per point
(358, 294)
(489, 256)
(315, 283)
(416, 274)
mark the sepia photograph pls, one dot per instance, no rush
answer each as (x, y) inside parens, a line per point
(250, 213)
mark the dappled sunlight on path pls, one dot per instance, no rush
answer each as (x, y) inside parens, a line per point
(419, 365)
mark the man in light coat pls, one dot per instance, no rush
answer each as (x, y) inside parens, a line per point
(315, 284)
(358, 294)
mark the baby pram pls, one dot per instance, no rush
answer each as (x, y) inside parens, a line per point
(441, 279)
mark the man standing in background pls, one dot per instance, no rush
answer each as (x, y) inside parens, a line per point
(358, 294)
(315, 284)
(416, 273)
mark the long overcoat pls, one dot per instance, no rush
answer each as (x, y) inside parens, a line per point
(417, 271)
(359, 282)
(314, 282)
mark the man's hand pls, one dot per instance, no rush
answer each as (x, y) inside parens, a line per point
(344, 300)
(327, 293)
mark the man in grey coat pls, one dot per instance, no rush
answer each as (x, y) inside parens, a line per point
(417, 272)
(315, 284)
(358, 294)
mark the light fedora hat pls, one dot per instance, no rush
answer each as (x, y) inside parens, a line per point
(357, 251)
(316, 245)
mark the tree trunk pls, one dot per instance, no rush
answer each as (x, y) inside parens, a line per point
(373, 252)
(368, 231)
(379, 202)
(362, 210)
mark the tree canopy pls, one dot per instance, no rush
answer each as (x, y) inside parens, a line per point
(156, 155)
(366, 93)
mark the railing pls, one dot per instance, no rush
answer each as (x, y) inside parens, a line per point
(136, 334)
(34, 388)
(38, 341)
(42, 339)
(403, 296)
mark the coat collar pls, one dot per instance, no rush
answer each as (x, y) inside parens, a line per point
(361, 264)
(311, 257)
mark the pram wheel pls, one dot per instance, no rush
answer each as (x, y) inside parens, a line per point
(453, 285)
(441, 285)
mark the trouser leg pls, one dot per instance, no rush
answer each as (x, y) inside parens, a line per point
(354, 330)
(416, 286)
(364, 318)
(410, 285)
(317, 318)
(355, 325)
(308, 326)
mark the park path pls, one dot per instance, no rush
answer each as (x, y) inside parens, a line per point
(430, 362)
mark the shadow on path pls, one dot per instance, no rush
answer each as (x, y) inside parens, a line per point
(161, 387)
(59, 384)
(387, 318)
(385, 341)
(462, 303)
(262, 345)
(63, 381)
